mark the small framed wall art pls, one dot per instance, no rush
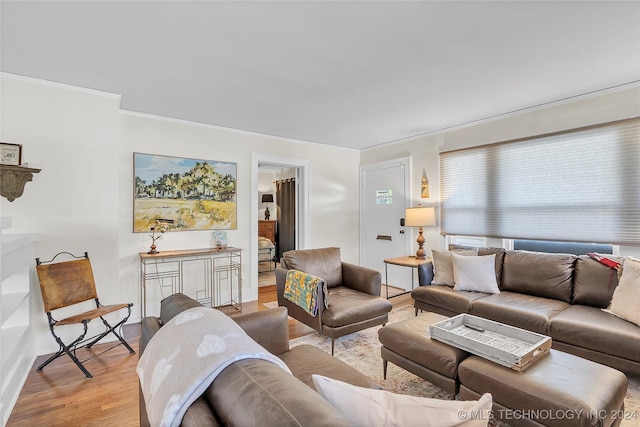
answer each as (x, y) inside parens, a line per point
(10, 154)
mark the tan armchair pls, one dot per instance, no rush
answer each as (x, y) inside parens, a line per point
(353, 293)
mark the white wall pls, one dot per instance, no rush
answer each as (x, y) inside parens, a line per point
(610, 106)
(82, 199)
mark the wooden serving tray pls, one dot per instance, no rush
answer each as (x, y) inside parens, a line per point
(506, 345)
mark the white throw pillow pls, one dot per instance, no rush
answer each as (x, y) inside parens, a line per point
(626, 298)
(368, 407)
(443, 267)
(476, 273)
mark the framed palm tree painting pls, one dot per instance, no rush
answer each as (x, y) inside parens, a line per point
(196, 194)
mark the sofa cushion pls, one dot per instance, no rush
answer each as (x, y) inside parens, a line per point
(594, 329)
(446, 298)
(254, 392)
(626, 298)
(349, 306)
(306, 360)
(593, 283)
(366, 407)
(519, 310)
(477, 274)
(443, 265)
(482, 251)
(324, 262)
(539, 274)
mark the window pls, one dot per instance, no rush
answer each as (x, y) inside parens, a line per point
(474, 241)
(562, 247)
(581, 186)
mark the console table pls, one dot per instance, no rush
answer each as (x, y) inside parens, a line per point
(212, 276)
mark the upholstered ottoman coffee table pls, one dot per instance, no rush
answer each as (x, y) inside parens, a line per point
(559, 389)
(408, 345)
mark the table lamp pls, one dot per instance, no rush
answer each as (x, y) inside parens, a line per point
(420, 217)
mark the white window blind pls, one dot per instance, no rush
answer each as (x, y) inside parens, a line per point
(581, 185)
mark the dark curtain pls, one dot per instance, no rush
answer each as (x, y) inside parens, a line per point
(286, 201)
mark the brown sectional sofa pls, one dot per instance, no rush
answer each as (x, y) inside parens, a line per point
(560, 295)
(257, 392)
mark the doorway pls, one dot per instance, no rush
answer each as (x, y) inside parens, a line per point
(265, 170)
(383, 198)
(277, 216)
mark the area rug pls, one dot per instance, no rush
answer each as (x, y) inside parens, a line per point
(362, 351)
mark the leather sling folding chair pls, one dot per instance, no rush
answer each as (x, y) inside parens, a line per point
(68, 283)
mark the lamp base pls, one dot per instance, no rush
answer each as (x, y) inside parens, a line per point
(421, 253)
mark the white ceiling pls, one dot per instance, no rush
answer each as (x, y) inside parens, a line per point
(355, 74)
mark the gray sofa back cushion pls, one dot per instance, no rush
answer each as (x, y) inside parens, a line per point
(324, 263)
(539, 274)
(593, 283)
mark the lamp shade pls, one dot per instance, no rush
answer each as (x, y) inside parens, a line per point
(267, 198)
(420, 217)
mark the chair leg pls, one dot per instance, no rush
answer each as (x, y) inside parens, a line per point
(333, 340)
(65, 349)
(112, 330)
(384, 369)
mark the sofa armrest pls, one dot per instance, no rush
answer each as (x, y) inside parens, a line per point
(148, 328)
(425, 273)
(361, 278)
(269, 328)
(281, 278)
(175, 304)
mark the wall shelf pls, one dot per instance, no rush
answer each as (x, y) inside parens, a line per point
(13, 179)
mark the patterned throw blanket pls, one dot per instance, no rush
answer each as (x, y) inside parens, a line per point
(186, 355)
(302, 289)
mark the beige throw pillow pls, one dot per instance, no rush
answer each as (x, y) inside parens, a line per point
(443, 267)
(626, 298)
(475, 273)
(368, 407)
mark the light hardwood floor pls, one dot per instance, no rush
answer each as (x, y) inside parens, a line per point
(60, 395)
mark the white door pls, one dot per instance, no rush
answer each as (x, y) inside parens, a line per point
(383, 193)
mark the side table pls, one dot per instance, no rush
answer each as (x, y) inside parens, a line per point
(403, 261)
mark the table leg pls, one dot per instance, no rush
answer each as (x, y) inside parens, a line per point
(386, 279)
